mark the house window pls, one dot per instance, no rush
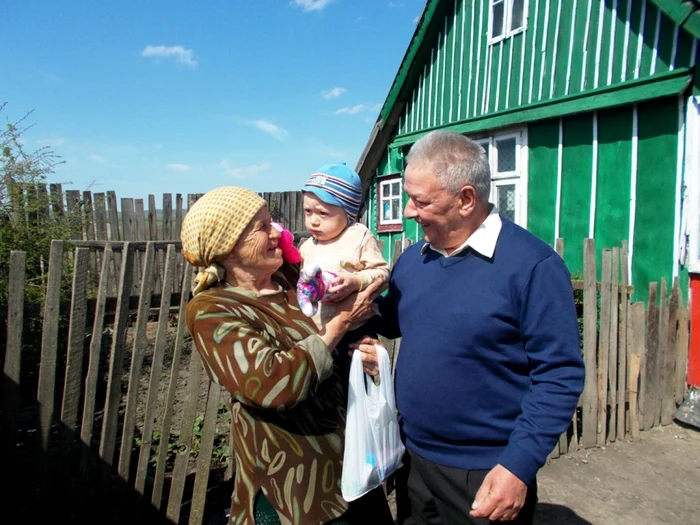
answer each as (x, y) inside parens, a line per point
(507, 19)
(390, 204)
(508, 180)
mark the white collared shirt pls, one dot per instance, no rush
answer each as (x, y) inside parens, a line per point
(483, 240)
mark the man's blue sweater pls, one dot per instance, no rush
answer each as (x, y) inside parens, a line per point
(489, 369)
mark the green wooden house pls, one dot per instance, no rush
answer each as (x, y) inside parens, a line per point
(587, 111)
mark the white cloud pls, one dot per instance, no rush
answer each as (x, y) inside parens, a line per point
(357, 109)
(271, 129)
(180, 167)
(242, 172)
(333, 93)
(179, 53)
(311, 5)
(96, 158)
(52, 142)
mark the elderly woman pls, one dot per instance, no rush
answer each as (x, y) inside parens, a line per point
(288, 398)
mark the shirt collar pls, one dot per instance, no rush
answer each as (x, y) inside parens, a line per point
(483, 240)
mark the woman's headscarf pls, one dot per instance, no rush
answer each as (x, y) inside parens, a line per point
(212, 227)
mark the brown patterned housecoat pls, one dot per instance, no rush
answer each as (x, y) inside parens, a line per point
(288, 402)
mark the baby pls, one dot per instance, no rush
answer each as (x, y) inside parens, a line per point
(345, 252)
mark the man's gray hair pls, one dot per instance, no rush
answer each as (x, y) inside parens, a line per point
(457, 161)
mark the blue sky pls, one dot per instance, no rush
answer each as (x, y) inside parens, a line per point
(179, 96)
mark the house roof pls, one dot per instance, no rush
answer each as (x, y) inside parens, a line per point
(685, 13)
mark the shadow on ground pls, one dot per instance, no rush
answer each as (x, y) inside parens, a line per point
(549, 514)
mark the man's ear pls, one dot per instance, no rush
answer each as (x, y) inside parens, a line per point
(467, 199)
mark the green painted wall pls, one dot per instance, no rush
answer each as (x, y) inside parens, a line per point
(568, 47)
(613, 178)
(577, 169)
(543, 139)
(656, 186)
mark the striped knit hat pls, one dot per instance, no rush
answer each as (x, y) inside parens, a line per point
(338, 185)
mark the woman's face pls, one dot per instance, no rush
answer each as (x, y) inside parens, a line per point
(257, 248)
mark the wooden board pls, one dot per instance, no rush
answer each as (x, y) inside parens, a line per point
(613, 338)
(604, 349)
(668, 371)
(590, 334)
(158, 481)
(47, 367)
(13, 356)
(649, 360)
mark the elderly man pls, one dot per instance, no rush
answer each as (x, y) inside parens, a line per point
(490, 371)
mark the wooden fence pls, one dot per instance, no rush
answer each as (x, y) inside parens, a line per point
(112, 413)
(104, 217)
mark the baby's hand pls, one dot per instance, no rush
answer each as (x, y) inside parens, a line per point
(343, 285)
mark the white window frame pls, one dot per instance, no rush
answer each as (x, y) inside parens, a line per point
(380, 215)
(507, 15)
(517, 177)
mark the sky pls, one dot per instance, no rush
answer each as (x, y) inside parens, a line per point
(150, 97)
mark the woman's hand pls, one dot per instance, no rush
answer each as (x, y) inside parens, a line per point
(356, 309)
(351, 313)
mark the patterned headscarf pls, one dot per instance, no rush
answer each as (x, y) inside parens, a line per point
(212, 227)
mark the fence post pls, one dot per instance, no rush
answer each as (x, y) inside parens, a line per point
(604, 348)
(47, 366)
(590, 334)
(636, 342)
(13, 355)
(622, 423)
(649, 385)
(668, 400)
(612, 338)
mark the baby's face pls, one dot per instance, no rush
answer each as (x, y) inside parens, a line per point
(324, 221)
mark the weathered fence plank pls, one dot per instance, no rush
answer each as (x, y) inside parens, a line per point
(636, 343)
(168, 216)
(682, 355)
(206, 446)
(604, 348)
(661, 355)
(177, 485)
(668, 400)
(156, 370)
(110, 419)
(157, 494)
(613, 338)
(47, 365)
(590, 333)
(138, 349)
(622, 424)
(56, 199)
(13, 355)
(649, 358)
(72, 386)
(88, 421)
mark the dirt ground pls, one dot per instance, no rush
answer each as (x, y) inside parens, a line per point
(653, 480)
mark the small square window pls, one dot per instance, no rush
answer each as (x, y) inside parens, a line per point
(390, 204)
(517, 15)
(497, 18)
(506, 149)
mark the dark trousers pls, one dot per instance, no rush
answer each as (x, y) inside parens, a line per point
(442, 495)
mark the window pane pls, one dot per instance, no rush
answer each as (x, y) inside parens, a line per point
(516, 19)
(497, 12)
(386, 190)
(485, 145)
(506, 201)
(506, 155)
(386, 210)
(395, 208)
(395, 190)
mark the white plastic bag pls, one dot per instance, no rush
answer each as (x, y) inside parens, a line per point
(373, 447)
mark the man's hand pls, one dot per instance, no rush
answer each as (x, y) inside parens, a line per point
(370, 363)
(500, 497)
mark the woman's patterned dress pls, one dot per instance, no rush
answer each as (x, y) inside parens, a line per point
(288, 402)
